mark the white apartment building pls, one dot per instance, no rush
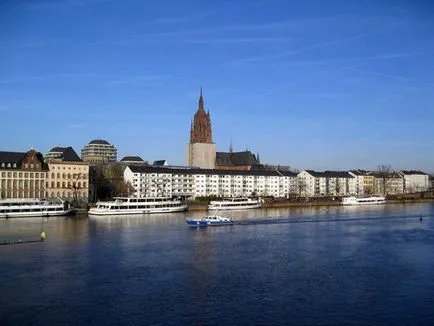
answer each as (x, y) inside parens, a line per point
(328, 183)
(193, 182)
(415, 181)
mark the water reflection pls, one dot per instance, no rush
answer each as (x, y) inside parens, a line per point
(79, 228)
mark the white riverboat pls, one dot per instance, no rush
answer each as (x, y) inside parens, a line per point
(19, 207)
(137, 206)
(363, 200)
(234, 203)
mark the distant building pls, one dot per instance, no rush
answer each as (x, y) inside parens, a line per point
(327, 183)
(128, 160)
(99, 151)
(415, 181)
(22, 175)
(364, 182)
(68, 176)
(201, 151)
(160, 163)
(387, 183)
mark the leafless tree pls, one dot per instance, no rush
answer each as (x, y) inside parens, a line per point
(302, 186)
(385, 173)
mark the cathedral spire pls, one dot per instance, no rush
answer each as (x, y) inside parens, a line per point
(201, 131)
(201, 101)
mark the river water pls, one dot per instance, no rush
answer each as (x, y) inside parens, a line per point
(294, 266)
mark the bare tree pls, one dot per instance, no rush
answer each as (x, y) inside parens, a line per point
(385, 172)
(75, 186)
(302, 186)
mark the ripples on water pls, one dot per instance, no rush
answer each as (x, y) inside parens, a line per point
(318, 266)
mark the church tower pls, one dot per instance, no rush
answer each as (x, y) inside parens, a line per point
(201, 151)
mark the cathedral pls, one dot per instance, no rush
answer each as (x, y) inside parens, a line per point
(201, 151)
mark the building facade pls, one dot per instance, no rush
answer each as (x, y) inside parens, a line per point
(158, 181)
(99, 151)
(201, 151)
(415, 181)
(68, 176)
(328, 183)
(22, 175)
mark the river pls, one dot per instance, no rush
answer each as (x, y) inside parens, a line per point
(370, 265)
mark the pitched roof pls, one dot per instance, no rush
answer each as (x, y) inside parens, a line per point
(58, 149)
(131, 159)
(67, 154)
(70, 155)
(330, 174)
(12, 157)
(235, 158)
(158, 169)
(409, 172)
(99, 141)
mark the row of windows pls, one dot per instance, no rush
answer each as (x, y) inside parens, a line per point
(41, 194)
(23, 174)
(69, 175)
(61, 167)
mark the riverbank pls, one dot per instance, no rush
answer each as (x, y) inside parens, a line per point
(204, 207)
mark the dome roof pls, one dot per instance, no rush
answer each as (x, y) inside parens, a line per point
(99, 141)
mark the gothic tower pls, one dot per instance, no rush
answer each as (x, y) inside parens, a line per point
(201, 151)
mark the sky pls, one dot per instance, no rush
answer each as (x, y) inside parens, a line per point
(324, 85)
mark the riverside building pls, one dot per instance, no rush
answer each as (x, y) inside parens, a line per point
(68, 176)
(99, 151)
(327, 183)
(194, 182)
(22, 175)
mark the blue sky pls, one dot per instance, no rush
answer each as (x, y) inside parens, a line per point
(311, 84)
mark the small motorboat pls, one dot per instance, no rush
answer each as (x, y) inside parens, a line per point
(210, 220)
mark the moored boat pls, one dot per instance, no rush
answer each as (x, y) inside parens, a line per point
(20, 207)
(233, 204)
(137, 206)
(363, 200)
(210, 220)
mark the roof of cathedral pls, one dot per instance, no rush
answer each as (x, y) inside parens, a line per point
(245, 158)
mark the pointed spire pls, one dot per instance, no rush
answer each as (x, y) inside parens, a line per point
(201, 101)
(231, 149)
(257, 158)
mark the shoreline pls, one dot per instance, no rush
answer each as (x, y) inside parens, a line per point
(204, 207)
